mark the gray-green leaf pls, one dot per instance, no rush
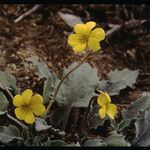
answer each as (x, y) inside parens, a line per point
(116, 140)
(9, 133)
(143, 103)
(3, 103)
(94, 142)
(142, 130)
(127, 76)
(8, 81)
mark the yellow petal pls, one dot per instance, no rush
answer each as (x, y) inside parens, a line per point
(93, 44)
(20, 113)
(29, 117)
(111, 110)
(98, 33)
(81, 29)
(73, 40)
(102, 112)
(90, 25)
(36, 99)
(79, 48)
(108, 97)
(18, 100)
(26, 95)
(103, 99)
(38, 109)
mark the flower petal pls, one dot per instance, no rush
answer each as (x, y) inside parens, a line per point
(20, 113)
(79, 48)
(73, 40)
(111, 110)
(36, 99)
(103, 99)
(18, 100)
(93, 44)
(29, 117)
(81, 29)
(90, 25)
(102, 112)
(38, 109)
(98, 33)
(26, 95)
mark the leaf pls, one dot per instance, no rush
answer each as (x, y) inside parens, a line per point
(57, 143)
(47, 143)
(77, 89)
(35, 141)
(125, 75)
(116, 140)
(94, 142)
(142, 130)
(43, 70)
(141, 104)
(9, 133)
(123, 124)
(112, 88)
(70, 20)
(8, 81)
(94, 120)
(3, 103)
(48, 88)
(40, 125)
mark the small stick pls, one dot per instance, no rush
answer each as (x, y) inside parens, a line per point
(61, 81)
(17, 121)
(27, 13)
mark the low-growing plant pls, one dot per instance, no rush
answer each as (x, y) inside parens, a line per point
(43, 120)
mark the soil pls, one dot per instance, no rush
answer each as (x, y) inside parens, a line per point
(43, 34)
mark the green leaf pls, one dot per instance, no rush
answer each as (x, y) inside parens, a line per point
(47, 143)
(57, 143)
(8, 81)
(77, 89)
(43, 70)
(125, 75)
(48, 88)
(40, 125)
(112, 88)
(9, 133)
(95, 143)
(3, 103)
(94, 119)
(36, 141)
(123, 124)
(116, 140)
(142, 130)
(141, 104)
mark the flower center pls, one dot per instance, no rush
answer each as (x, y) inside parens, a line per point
(83, 39)
(26, 107)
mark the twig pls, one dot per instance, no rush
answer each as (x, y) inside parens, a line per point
(61, 81)
(27, 13)
(17, 121)
(128, 23)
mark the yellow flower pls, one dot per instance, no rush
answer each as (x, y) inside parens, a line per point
(84, 37)
(107, 107)
(28, 105)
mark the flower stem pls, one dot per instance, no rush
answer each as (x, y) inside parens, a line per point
(17, 121)
(61, 81)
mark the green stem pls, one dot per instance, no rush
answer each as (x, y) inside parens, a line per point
(17, 121)
(61, 81)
